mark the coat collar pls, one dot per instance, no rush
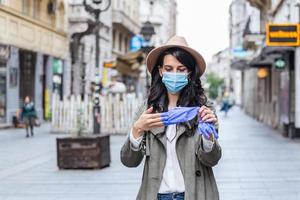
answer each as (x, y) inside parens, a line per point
(158, 133)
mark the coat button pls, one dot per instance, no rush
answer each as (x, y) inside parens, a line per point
(198, 173)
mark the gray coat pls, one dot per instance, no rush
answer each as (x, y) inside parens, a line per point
(196, 164)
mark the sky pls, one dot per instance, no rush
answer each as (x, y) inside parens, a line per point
(204, 24)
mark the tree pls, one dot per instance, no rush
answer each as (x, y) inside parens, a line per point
(214, 82)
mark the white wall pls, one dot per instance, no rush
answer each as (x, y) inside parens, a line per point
(162, 16)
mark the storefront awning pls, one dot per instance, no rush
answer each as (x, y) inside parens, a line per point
(128, 64)
(276, 50)
(239, 64)
(268, 56)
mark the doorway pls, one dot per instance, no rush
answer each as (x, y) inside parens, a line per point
(27, 75)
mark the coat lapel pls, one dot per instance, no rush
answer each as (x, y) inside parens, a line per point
(157, 132)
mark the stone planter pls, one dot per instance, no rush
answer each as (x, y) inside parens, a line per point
(83, 152)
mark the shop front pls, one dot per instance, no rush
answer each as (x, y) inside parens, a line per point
(4, 56)
(276, 78)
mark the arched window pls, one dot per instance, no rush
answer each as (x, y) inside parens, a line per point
(25, 7)
(60, 19)
(36, 8)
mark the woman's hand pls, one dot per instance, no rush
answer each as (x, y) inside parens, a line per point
(146, 121)
(207, 115)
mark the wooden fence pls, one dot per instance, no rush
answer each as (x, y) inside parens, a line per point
(72, 115)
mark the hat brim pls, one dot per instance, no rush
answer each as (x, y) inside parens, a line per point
(155, 53)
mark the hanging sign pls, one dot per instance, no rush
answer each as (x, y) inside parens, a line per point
(282, 34)
(136, 43)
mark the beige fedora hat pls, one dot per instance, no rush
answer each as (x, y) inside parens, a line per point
(179, 42)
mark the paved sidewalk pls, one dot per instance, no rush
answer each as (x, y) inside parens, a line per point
(257, 163)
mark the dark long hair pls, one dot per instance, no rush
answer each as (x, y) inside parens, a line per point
(191, 95)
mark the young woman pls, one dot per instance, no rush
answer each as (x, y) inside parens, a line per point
(179, 160)
(28, 115)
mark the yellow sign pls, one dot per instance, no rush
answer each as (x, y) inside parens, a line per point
(283, 34)
(104, 76)
(109, 64)
(47, 104)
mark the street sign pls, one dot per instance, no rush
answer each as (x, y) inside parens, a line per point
(282, 34)
(57, 66)
(110, 64)
(279, 63)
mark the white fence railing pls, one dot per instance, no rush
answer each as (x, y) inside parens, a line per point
(72, 114)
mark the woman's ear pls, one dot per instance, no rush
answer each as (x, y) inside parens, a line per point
(160, 71)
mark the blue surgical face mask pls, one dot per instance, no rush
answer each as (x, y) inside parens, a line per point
(175, 82)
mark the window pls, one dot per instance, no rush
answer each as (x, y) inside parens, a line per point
(25, 6)
(60, 19)
(120, 41)
(114, 39)
(126, 45)
(36, 8)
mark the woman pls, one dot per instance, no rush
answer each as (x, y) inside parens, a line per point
(28, 115)
(179, 160)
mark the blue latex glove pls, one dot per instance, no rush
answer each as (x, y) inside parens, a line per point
(206, 129)
(179, 114)
(183, 114)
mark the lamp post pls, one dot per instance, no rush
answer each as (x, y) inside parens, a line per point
(95, 9)
(147, 31)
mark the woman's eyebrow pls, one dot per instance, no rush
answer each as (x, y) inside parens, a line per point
(168, 65)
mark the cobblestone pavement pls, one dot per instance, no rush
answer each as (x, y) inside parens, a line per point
(257, 163)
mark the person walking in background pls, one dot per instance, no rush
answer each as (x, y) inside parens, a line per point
(167, 129)
(227, 102)
(28, 115)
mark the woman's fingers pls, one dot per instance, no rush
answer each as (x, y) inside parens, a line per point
(156, 124)
(203, 111)
(211, 119)
(154, 115)
(154, 120)
(149, 110)
(208, 117)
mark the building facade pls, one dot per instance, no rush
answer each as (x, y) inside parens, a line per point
(163, 15)
(33, 54)
(220, 66)
(126, 24)
(84, 53)
(269, 93)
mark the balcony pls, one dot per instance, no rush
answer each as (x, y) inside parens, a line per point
(122, 19)
(262, 5)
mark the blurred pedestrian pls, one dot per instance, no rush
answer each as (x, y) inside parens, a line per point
(178, 161)
(227, 102)
(28, 115)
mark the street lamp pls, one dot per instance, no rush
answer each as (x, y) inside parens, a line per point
(96, 11)
(147, 31)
